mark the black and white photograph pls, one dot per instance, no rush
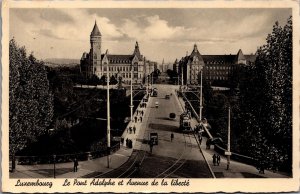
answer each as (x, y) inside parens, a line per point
(147, 96)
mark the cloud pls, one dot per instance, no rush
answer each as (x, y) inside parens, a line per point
(160, 32)
(49, 33)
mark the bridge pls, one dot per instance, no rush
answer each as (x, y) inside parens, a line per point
(184, 156)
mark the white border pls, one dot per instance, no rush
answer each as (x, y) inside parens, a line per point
(197, 185)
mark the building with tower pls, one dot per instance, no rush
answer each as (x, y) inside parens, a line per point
(216, 68)
(119, 65)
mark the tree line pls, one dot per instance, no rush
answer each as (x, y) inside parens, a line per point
(260, 98)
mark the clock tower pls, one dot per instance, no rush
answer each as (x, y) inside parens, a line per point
(95, 52)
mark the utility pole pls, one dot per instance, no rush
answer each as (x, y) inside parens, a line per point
(108, 118)
(152, 79)
(131, 97)
(200, 112)
(181, 76)
(228, 153)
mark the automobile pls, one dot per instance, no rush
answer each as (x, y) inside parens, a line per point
(172, 115)
(156, 104)
(154, 138)
(167, 96)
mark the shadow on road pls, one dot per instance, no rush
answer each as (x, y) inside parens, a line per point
(165, 118)
(49, 172)
(162, 127)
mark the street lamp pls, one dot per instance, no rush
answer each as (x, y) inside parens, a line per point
(228, 153)
(201, 106)
(131, 97)
(108, 118)
(54, 156)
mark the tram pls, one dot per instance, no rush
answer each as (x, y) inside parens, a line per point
(185, 122)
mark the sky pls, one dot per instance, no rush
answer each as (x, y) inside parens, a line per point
(165, 33)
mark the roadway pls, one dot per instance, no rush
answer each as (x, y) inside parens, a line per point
(180, 158)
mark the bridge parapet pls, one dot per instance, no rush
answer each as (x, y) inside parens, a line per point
(194, 113)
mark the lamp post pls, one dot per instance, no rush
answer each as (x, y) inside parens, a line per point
(108, 118)
(131, 97)
(228, 153)
(201, 106)
(181, 75)
(54, 156)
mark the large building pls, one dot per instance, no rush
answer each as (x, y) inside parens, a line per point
(96, 63)
(214, 67)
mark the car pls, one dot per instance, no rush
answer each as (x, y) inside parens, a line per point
(167, 96)
(172, 115)
(153, 137)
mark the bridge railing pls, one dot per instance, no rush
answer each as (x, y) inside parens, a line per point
(218, 148)
(62, 158)
(194, 113)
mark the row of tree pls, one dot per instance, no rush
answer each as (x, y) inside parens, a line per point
(261, 103)
(30, 98)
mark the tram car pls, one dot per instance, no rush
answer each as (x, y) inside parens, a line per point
(185, 122)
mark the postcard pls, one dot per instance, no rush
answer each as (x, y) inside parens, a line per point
(150, 96)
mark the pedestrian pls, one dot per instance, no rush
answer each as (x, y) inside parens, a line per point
(134, 128)
(127, 141)
(135, 119)
(172, 137)
(200, 140)
(214, 159)
(218, 159)
(151, 145)
(130, 130)
(207, 144)
(142, 113)
(141, 119)
(261, 168)
(75, 164)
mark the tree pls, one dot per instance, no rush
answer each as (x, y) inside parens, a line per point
(120, 86)
(113, 80)
(267, 96)
(31, 102)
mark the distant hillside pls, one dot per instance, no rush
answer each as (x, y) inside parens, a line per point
(61, 62)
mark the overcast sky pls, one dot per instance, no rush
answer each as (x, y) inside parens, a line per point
(161, 33)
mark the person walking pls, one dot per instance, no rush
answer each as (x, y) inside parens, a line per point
(214, 159)
(141, 119)
(172, 137)
(130, 130)
(134, 128)
(200, 140)
(142, 113)
(218, 159)
(75, 164)
(135, 119)
(151, 145)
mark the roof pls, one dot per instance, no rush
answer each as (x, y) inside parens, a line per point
(120, 59)
(224, 59)
(195, 52)
(251, 58)
(240, 56)
(95, 31)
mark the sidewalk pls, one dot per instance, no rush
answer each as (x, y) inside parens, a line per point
(89, 167)
(236, 169)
